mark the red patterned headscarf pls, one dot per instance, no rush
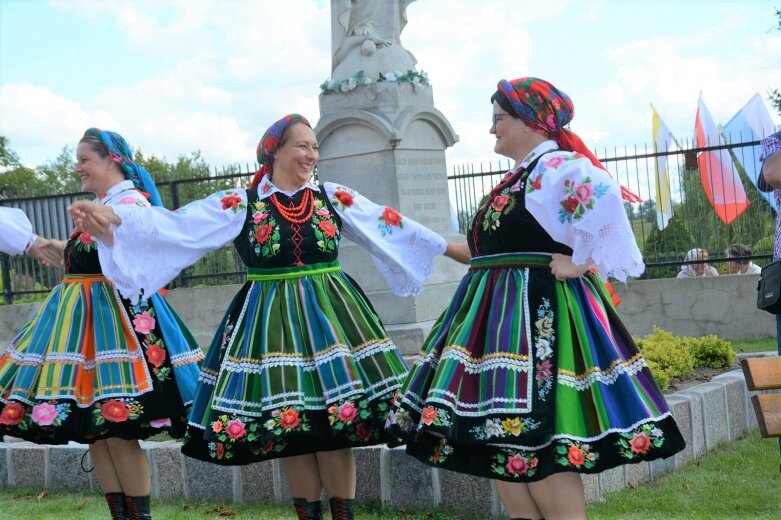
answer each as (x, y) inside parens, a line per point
(270, 142)
(546, 110)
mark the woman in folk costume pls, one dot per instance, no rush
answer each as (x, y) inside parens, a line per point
(17, 237)
(91, 366)
(301, 366)
(529, 377)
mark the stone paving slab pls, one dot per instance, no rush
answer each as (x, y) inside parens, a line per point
(409, 481)
(65, 472)
(681, 410)
(714, 412)
(28, 465)
(368, 477)
(697, 423)
(637, 474)
(166, 470)
(735, 394)
(257, 482)
(591, 488)
(207, 482)
(613, 479)
(465, 493)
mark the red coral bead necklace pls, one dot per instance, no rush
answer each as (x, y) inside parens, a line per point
(296, 214)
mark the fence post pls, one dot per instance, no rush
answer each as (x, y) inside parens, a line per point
(5, 262)
(174, 195)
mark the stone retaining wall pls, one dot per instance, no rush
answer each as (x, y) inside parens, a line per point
(707, 414)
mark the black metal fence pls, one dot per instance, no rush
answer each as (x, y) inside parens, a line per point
(695, 224)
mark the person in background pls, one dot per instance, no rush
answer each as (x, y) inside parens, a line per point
(770, 180)
(301, 368)
(739, 262)
(17, 237)
(92, 367)
(693, 270)
(528, 377)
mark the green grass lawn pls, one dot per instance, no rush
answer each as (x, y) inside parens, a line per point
(754, 345)
(736, 481)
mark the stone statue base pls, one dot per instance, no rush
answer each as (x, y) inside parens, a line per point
(387, 141)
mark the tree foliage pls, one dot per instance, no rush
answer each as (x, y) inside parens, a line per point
(188, 178)
(15, 179)
(58, 175)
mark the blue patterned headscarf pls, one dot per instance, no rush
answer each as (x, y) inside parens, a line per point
(120, 153)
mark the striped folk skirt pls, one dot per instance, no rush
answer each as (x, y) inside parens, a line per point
(524, 376)
(301, 363)
(89, 365)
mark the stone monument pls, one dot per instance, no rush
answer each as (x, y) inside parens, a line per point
(380, 134)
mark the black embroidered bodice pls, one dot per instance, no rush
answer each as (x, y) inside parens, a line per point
(81, 255)
(268, 240)
(502, 224)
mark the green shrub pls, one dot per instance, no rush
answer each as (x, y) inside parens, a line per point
(666, 357)
(711, 351)
(662, 377)
(669, 356)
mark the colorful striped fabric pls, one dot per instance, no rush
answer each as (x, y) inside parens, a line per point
(85, 368)
(302, 364)
(94, 356)
(524, 376)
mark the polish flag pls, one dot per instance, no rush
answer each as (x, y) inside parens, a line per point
(719, 179)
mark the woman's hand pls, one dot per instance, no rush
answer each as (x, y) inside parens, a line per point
(563, 268)
(458, 252)
(47, 251)
(95, 219)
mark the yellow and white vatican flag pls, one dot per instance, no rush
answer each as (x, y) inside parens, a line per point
(662, 138)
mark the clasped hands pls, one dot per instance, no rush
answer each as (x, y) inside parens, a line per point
(95, 219)
(48, 251)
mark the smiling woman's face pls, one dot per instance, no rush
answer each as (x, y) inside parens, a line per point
(295, 160)
(97, 173)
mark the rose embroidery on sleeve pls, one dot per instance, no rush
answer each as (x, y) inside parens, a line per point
(579, 198)
(389, 219)
(343, 198)
(230, 200)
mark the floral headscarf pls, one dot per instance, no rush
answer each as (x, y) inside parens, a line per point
(270, 142)
(539, 104)
(122, 155)
(547, 110)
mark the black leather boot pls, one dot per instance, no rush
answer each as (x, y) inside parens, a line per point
(138, 508)
(116, 505)
(342, 508)
(308, 510)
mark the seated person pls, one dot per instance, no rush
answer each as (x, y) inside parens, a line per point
(693, 270)
(739, 262)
